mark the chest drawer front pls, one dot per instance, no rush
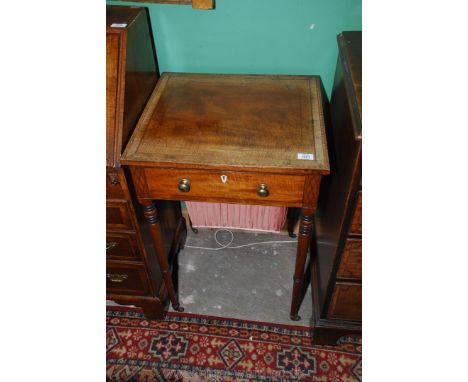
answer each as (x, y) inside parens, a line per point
(115, 185)
(121, 245)
(351, 260)
(346, 302)
(126, 279)
(356, 222)
(217, 186)
(118, 215)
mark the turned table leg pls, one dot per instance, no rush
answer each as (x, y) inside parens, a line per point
(151, 215)
(194, 230)
(303, 243)
(291, 217)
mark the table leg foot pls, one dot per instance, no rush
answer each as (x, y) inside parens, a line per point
(178, 308)
(194, 230)
(305, 233)
(291, 217)
(151, 215)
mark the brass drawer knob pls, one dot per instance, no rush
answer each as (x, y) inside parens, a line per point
(116, 278)
(114, 179)
(184, 185)
(263, 190)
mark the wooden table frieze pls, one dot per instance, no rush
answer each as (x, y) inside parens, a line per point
(250, 139)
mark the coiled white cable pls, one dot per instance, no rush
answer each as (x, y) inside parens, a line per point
(227, 246)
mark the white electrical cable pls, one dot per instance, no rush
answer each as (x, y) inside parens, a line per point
(227, 246)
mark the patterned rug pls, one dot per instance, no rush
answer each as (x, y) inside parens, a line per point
(193, 348)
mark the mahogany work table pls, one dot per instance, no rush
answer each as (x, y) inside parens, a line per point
(250, 139)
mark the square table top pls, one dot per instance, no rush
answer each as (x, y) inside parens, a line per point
(234, 122)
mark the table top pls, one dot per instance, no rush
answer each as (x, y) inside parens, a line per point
(233, 122)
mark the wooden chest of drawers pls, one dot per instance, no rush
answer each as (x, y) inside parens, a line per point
(337, 272)
(133, 275)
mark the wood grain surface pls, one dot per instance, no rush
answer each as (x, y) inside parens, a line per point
(134, 276)
(182, 2)
(202, 4)
(239, 187)
(351, 260)
(350, 45)
(112, 75)
(126, 278)
(337, 270)
(356, 222)
(196, 4)
(116, 185)
(264, 134)
(121, 15)
(232, 121)
(121, 245)
(118, 215)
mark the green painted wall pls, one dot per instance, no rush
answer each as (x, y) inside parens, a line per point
(253, 36)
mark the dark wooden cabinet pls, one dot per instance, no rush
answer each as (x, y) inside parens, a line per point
(133, 276)
(336, 270)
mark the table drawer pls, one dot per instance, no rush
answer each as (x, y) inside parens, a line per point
(356, 222)
(115, 185)
(118, 215)
(217, 186)
(126, 279)
(346, 302)
(123, 246)
(351, 260)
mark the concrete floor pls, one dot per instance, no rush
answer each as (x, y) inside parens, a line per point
(253, 282)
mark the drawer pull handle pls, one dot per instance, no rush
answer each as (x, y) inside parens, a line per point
(116, 278)
(110, 245)
(263, 190)
(184, 185)
(114, 179)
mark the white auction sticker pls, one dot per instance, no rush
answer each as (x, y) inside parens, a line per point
(305, 156)
(118, 25)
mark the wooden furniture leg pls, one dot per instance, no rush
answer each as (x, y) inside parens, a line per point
(303, 243)
(194, 230)
(291, 217)
(151, 215)
(330, 336)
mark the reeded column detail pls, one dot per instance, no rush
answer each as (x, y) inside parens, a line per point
(305, 233)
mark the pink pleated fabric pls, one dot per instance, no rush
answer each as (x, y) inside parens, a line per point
(237, 216)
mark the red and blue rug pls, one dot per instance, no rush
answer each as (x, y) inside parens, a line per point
(193, 348)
